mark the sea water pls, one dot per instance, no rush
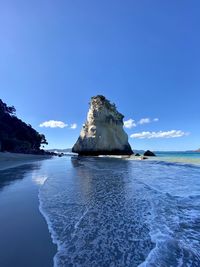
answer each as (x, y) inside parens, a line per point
(178, 156)
(116, 212)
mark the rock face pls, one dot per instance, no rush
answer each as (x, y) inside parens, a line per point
(103, 132)
(149, 153)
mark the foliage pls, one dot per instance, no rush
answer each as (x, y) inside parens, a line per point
(101, 101)
(16, 135)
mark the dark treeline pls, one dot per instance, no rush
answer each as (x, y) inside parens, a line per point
(16, 135)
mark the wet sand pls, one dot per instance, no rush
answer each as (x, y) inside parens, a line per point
(10, 160)
(25, 240)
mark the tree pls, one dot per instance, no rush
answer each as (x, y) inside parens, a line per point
(5, 109)
(16, 135)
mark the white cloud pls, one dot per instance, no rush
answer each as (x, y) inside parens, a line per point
(144, 121)
(129, 124)
(53, 124)
(73, 126)
(160, 134)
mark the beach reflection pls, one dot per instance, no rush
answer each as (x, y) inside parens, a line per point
(98, 176)
(9, 176)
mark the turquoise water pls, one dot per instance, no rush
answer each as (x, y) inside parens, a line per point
(178, 154)
(184, 157)
(116, 212)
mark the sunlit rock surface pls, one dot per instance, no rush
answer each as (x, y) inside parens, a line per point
(103, 132)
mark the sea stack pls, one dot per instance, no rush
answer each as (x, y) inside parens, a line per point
(103, 132)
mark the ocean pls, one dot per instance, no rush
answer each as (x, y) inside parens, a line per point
(116, 212)
(176, 156)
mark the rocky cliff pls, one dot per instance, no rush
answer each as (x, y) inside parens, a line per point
(103, 132)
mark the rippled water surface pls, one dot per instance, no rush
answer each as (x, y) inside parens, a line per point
(114, 212)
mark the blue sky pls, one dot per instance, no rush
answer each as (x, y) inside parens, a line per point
(142, 55)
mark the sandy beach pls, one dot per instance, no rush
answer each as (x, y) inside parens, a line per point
(10, 160)
(25, 239)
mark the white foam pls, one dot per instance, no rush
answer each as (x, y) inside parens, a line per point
(122, 206)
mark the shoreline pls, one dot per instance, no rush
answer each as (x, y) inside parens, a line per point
(11, 160)
(27, 235)
(169, 159)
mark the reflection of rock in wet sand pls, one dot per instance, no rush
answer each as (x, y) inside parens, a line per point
(93, 171)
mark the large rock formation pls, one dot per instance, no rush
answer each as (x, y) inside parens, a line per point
(103, 132)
